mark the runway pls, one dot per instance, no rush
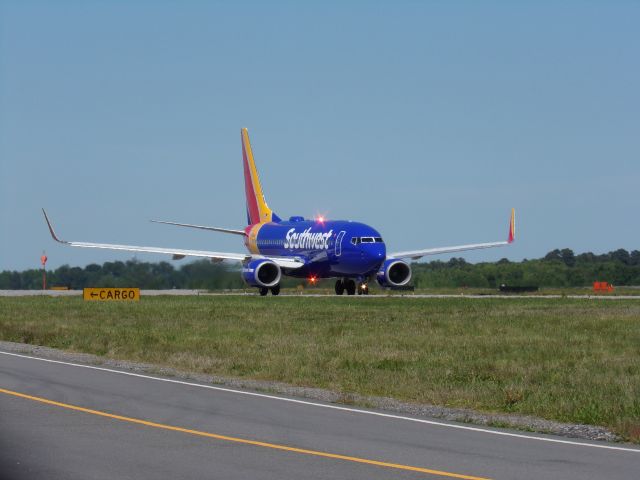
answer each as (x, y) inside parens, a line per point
(68, 421)
(251, 292)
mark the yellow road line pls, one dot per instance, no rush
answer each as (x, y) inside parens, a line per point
(241, 440)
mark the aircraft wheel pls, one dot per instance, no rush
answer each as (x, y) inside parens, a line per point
(263, 291)
(339, 287)
(364, 289)
(275, 290)
(350, 287)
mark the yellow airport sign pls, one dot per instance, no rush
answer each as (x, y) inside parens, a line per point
(108, 294)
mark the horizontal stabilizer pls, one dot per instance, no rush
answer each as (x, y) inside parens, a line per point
(202, 227)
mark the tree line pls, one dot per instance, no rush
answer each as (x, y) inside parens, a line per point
(559, 268)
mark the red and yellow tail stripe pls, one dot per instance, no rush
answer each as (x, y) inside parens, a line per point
(257, 209)
(251, 237)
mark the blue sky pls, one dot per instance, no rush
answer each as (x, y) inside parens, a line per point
(428, 120)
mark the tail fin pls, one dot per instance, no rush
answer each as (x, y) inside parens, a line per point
(257, 209)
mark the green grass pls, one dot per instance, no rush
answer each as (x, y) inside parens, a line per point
(563, 359)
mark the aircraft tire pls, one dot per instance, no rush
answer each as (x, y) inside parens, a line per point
(263, 291)
(275, 290)
(339, 287)
(350, 287)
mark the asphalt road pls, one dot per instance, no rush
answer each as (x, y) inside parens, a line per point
(66, 421)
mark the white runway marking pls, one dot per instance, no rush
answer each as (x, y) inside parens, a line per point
(333, 407)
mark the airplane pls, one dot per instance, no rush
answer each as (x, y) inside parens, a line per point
(352, 252)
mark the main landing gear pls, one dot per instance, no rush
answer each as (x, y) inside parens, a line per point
(349, 286)
(274, 290)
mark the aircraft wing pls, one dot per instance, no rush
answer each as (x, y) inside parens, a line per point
(284, 262)
(416, 254)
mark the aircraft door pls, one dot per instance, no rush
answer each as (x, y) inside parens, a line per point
(338, 245)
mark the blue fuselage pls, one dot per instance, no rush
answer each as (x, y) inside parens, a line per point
(329, 249)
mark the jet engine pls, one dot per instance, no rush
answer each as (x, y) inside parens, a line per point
(394, 273)
(261, 273)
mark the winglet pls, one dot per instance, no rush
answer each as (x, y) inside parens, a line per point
(512, 226)
(53, 234)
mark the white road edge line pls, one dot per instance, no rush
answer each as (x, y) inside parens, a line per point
(333, 407)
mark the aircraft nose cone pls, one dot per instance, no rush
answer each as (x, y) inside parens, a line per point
(374, 255)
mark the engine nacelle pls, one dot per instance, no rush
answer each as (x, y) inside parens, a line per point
(393, 273)
(261, 273)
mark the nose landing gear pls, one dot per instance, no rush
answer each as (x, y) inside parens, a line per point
(363, 289)
(347, 285)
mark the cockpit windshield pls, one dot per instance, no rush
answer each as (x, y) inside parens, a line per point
(359, 240)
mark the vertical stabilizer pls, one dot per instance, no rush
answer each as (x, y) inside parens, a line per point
(257, 209)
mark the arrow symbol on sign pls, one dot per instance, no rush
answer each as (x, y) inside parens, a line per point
(94, 294)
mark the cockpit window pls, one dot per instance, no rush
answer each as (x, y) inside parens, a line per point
(359, 240)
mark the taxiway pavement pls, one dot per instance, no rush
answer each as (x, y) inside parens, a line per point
(71, 421)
